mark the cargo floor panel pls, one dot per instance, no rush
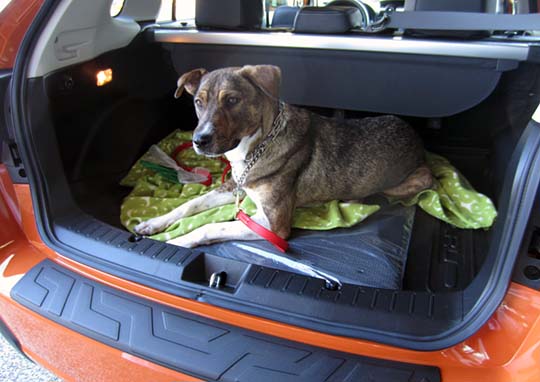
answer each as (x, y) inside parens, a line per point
(438, 257)
(260, 290)
(101, 197)
(372, 253)
(442, 257)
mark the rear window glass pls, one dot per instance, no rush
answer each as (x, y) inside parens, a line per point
(116, 7)
(179, 10)
(184, 10)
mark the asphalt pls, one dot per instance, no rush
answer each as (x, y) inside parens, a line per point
(16, 368)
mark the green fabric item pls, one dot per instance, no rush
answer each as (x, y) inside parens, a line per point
(452, 199)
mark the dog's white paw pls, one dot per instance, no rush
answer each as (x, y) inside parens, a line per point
(152, 226)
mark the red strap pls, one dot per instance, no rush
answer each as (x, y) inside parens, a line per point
(208, 182)
(182, 147)
(225, 170)
(266, 234)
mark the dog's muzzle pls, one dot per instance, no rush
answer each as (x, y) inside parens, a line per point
(203, 144)
(203, 138)
(202, 141)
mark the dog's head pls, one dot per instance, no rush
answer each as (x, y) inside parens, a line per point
(229, 104)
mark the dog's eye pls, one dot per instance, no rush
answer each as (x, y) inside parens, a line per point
(198, 103)
(232, 100)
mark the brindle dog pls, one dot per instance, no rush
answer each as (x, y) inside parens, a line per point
(311, 159)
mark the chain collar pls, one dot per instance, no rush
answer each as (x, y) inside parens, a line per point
(253, 157)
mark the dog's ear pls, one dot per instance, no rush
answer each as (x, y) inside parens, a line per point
(189, 81)
(267, 77)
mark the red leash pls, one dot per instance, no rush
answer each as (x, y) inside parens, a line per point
(266, 234)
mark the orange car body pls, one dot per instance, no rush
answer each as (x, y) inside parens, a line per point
(507, 348)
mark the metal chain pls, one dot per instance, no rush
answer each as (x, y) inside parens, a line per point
(277, 126)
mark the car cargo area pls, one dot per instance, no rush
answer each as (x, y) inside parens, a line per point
(441, 258)
(473, 111)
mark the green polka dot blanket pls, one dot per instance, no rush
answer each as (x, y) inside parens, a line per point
(451, 199)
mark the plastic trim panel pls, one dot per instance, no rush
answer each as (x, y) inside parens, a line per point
(192, 344)
(492, 50)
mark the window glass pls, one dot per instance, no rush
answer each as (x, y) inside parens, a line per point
(271, 5)
(165, 11)
(536, 115)
(116, 7)
(3, 4)
(185, 10)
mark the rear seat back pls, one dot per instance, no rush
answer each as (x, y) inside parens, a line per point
(338, 16)
(284, 16)
(228, 14)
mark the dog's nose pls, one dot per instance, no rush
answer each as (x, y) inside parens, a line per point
(202, 139)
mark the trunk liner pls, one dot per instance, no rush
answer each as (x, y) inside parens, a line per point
(372, 253)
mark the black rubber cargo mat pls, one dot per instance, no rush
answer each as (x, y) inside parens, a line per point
(191, 344)
(372, 253)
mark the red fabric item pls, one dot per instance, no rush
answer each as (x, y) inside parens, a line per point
(182, 147)
(226, 169)
(208, 182)
(266, 234)
(198, 170)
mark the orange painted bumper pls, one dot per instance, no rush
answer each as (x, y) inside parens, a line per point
(507, 348)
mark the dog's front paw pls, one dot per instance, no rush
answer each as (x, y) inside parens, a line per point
(152, 226)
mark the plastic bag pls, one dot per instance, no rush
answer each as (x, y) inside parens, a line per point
(157, 156)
